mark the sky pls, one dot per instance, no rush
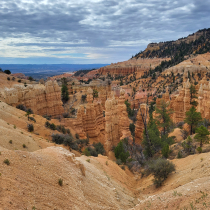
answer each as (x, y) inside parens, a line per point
(92, 31)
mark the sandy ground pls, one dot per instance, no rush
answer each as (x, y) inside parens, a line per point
(31, 180)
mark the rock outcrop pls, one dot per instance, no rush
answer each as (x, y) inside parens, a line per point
(103, 88)
(180, 103)
(90, 121)
(42, 99)
(117, 121)
(130, 66)
(140, 124)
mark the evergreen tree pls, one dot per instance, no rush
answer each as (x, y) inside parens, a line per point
(202, 135)
(150, 148)
(64, 93)
(192, 119)
(193, 93)
(163, 119)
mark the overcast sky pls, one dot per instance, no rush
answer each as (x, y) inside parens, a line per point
(92, 31)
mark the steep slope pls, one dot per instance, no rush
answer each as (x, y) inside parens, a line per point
(198, 42)
(31, 180)
(187, 188)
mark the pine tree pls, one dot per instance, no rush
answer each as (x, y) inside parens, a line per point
(150, 148)
(163, 119)
(192, 119)
(64, 93)
(193, 93)
(202, 135)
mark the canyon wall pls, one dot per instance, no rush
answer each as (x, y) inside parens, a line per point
(117, 121)
(144, 110)
(42, 99)
(90, 121)
(180, 103)
(108, 130)
(128, 67)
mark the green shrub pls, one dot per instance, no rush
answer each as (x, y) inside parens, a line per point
(24, 146)
(77, 136)
(8, 78)
(32, 118)
(120, 153)
(68, 131)
(119, 162)
(7, 71)
(92, 151)
(179, 155)
(199, 149)
(160, 168)
(165, 151)
(86, 152)
(188, 146)
(10, 141)
(6, 161)
(47, 124)
(67, 140)
(60, 182)
(30, 127)
(48, 117)
(52, 126)
(66, 115)
(21, 107)
(132, 128)
(99, 147)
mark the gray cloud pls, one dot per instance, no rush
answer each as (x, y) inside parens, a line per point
(93, 27)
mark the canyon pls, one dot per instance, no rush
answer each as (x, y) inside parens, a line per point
(106, 106)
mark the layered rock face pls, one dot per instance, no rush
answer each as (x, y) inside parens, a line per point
(91, 121)
(204, 98)
(140, 124)
(42, 99)
(131, 66)
(117, 121)
(180, 103)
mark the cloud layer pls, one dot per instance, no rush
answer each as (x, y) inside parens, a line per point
(92, 31)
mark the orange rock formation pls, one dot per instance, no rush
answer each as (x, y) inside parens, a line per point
(139, 123)
(91, 121)
(41, 99)
(130, 66)
(117, 121)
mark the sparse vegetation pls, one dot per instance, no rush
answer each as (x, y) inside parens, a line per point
(192, 119)
(6, 161)
(120, 152)
(64, 93)
(202, 135)
(30, 127)
(160, 168)
(60, 182)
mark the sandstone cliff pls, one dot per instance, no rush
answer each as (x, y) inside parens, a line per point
(42, 99)
(117, 121)
(90, 121)
(130, 66)
(143, 111)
